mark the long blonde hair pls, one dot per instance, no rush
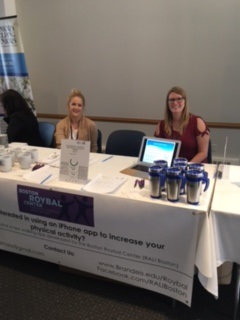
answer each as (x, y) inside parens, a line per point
(168, 114)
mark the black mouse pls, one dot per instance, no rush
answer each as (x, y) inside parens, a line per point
(37, 166)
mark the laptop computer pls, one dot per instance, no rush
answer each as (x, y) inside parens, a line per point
(153, 149)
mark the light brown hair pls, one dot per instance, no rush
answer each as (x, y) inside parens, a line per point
(76, 93)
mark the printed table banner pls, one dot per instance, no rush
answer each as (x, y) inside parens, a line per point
(143, 244)
(13, 68)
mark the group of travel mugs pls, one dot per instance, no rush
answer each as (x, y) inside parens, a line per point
(182, 178)
(10, 156)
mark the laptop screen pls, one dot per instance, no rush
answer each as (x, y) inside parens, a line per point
(159, 149)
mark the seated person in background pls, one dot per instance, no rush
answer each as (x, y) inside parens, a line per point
(76, 126)
(22, 123)
(179, 124)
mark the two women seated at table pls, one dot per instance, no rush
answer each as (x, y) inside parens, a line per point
(75, 125)
(179, 124)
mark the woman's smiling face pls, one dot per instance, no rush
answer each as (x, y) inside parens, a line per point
(176, 103)
(75, 107)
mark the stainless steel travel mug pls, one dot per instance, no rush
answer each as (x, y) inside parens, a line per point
(156, 181)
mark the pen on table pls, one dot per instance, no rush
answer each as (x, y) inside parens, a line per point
(49, 176)
(107, 158)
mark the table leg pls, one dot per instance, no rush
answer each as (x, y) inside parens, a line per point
(237, 292)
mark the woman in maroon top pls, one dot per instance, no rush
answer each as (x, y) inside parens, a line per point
(179, 124)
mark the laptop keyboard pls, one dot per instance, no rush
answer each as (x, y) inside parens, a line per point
(140, 167)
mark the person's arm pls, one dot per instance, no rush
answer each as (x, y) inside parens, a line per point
(202, 142)
(60, 134)
(14, 129)
(93, 137)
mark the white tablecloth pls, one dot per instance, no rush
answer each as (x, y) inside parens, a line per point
(130, 237)
(226, 215)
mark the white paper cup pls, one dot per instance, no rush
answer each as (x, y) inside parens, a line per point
(3, 151)
(17, 144)
(16, 151)
(12, 154)
(4, 140)
(25, 160)
(34, 154)
(5, 163)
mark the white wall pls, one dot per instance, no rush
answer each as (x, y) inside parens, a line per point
(2, 9)
(126, 54)
(7, 8)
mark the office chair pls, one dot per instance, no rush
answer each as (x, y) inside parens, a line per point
(46, 130)
(209, 155)
(124, 142)
(99, 141)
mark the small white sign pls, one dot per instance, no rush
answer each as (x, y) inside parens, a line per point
(104, 184)
(74, 160)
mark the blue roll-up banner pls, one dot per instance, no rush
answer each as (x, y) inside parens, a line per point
(13, 68)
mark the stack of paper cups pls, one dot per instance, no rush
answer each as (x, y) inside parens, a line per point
(4, 140)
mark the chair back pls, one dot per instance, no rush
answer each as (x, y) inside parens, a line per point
(46, 130)
(124, 142)
(99, 141)
(209, 155)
